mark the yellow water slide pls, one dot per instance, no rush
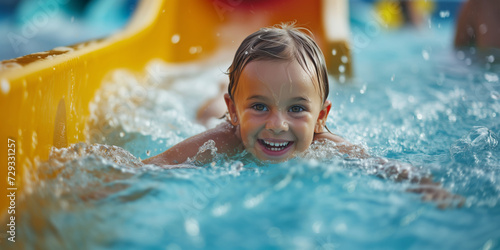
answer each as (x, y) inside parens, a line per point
(45, 96)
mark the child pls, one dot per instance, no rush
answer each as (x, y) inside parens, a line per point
(277, 107)
(277, 102)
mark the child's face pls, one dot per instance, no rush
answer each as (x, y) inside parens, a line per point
(278, 109)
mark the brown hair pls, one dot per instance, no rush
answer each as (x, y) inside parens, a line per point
(281, 42)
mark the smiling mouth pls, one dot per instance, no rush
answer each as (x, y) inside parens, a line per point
(275, 146)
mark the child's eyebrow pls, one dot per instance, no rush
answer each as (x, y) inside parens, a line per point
(294, 99)
(301, 99)
(257, 97)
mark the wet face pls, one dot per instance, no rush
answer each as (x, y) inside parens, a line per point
(278, 108)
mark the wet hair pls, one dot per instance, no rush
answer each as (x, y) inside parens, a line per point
(281, 42)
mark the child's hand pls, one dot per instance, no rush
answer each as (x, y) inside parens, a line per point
(432, 191)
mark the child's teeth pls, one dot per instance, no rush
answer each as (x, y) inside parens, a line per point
(276, 144)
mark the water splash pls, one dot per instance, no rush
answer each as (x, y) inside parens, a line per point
(478, 147)
(131, 110)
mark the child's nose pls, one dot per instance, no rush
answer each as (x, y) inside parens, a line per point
(277, 123)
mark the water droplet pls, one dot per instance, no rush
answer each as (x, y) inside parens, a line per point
(363, 89)
(122, 134)
(491, 58)
(221, 210)
(460, 55)
(5, 86)
(175, 38)
(425, 55)
(420, 116)
(344, 59)
(341, 68)
(334, 52)
(452, 118)
(491, 77)
(253, 201)
(392, 77)
(342, 79)
(195, 49)
(495, 95)
(444, 13)
(192, 227)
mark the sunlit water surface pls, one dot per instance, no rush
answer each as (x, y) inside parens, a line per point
(414, 99)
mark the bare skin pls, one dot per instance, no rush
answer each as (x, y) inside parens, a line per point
(479, 24)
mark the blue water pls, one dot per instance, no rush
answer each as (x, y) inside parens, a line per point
(414, 99)
(30, 26)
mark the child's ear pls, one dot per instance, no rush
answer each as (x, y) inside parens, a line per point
(231, 108)
(323, 114)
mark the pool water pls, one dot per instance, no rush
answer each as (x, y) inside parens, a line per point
(414, 99)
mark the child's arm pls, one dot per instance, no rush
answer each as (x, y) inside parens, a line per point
(423, 183)
(224, 136)
(396, 171)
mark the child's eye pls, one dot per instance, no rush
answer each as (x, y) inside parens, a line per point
(259, 107)
(297, 109)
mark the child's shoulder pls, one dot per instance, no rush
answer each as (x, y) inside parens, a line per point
(197, 148)
(225, 137)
